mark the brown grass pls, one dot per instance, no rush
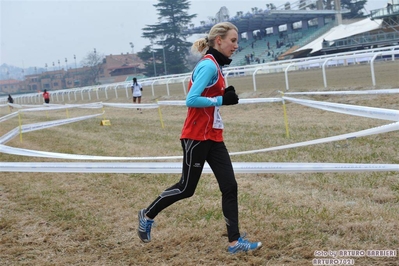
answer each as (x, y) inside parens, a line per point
(91, 219)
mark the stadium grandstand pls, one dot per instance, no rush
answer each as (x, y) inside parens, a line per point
(306, 28)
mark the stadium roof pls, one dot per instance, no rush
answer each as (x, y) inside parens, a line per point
(270, 18)
(342, 31)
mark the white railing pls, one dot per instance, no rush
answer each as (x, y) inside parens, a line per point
(283, 66)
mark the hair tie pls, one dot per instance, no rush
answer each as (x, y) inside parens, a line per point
(206, 39)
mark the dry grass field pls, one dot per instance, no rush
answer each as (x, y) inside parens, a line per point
(91, 219)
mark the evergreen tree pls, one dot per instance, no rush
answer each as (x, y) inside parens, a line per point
(168, 34)
(355, 7)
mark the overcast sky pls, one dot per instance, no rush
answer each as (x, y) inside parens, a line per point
(33, 32)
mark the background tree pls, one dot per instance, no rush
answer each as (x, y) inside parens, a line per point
(94, 63)
(169, 37)
(148, 59)
(355, 7)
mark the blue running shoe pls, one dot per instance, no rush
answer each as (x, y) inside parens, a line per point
(244, 245)
(145, 225)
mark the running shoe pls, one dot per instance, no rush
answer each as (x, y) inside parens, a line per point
(144, 230)
(244, 245)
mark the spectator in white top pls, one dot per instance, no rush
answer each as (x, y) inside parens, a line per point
(136, 91)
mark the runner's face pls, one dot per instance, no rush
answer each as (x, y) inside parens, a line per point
(229, 44)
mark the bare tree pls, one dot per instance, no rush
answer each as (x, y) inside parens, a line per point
(94, 61)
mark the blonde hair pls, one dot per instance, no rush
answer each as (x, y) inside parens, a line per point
(202, 45)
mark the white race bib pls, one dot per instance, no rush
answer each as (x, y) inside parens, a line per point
(217, 118)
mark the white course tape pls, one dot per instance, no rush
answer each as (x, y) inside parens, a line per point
(45, 154)
(177, 103)
(377, 130)
(364, 111)
(259, 100)
(175, 168)
(62, 107)
(37, 126)
(47, 107)
(33, 153)
(34, 105)
(367, 132)
(86, 106)
(131, 105)
(42, 125)
(240, 101)
(387, 91)
(43, 108)
(20, 106)
(6, 117)
(16, 106)
(9, 136)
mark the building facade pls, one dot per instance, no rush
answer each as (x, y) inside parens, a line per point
(114, 68)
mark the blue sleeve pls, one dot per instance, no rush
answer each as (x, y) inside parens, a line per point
(205, 73)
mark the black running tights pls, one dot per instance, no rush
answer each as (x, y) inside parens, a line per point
(195, 153)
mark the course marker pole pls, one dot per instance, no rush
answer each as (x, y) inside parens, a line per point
(287, 131)
(20, 126)
(160, 115)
